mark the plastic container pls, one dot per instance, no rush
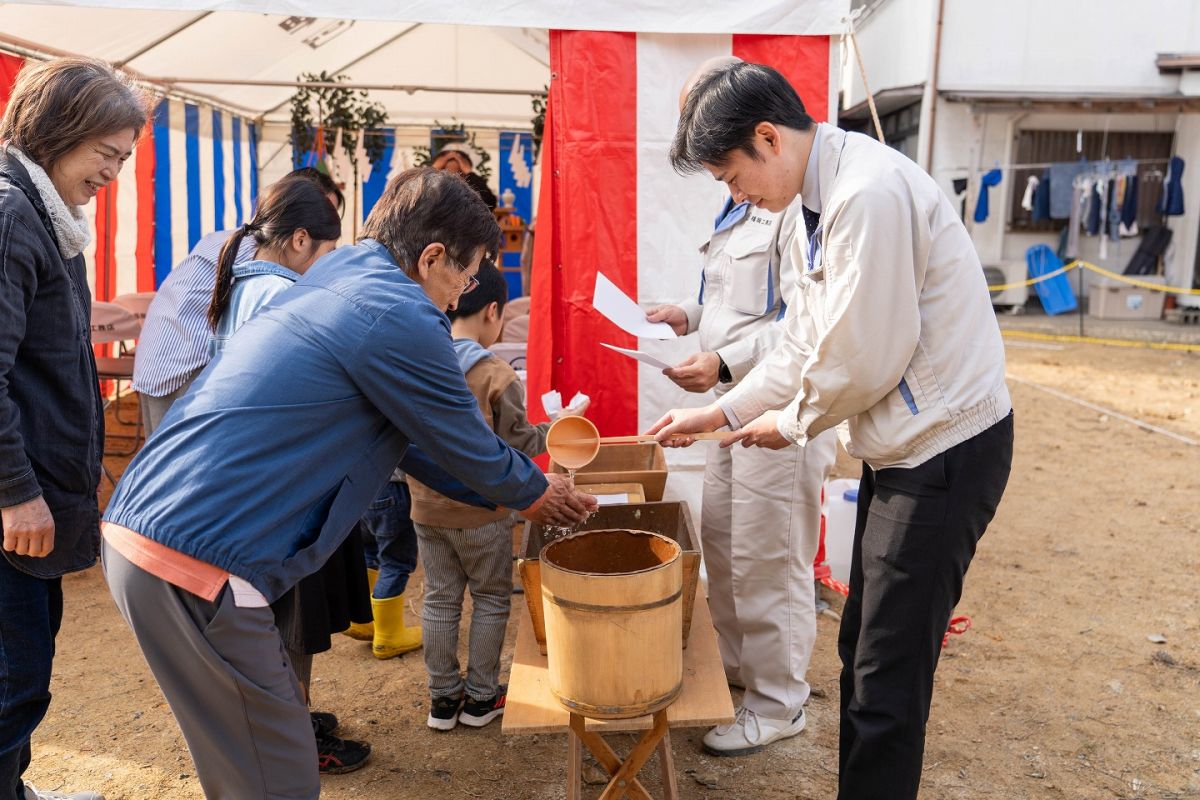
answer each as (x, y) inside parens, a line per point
(841, 510)
(1109, 299)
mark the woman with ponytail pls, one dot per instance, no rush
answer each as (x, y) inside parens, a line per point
(295, 224)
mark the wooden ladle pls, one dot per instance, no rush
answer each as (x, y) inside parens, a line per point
(572, 442)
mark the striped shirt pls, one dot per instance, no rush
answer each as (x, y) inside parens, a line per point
(173, 344)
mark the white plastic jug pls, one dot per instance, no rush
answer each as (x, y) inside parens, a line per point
(841, 509)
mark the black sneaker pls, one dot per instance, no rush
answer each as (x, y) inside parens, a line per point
(335, 756)
(323, 723)
(478, 713)
(443, 713)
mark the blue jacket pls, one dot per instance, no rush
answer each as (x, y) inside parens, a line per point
(263, 467)
(51, 417)
(255, 283)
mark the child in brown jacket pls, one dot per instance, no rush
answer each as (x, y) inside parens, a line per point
(465, 546)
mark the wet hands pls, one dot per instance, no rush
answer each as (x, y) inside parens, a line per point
(561, 503)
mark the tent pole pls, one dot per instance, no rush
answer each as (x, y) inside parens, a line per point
(43, 52)
(379, 87)
(358, 60)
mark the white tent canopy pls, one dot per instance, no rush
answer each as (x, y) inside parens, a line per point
(249, 62)
(473, 61)
(798, 17)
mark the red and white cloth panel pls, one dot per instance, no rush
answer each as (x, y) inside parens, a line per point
(610, 201)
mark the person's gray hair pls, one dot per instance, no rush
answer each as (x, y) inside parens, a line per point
(422, 206)
(59, 104)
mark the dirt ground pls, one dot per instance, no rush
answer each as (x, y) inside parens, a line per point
(1056, 692)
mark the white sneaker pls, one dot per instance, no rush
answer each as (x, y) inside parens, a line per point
(750, 733)
(33, 793)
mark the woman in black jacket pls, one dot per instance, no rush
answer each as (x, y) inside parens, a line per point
(69, 126)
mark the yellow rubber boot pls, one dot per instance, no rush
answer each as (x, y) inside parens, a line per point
(392, 636)
(364, 631)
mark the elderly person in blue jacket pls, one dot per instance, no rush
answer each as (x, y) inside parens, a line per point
(264, 466)
(69, 126)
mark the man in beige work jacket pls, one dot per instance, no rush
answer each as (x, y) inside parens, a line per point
(903, 345)
(761, 516)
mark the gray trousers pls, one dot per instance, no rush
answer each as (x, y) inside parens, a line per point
(227, 679)
(455, 558)
(155, 408)
(760, 528)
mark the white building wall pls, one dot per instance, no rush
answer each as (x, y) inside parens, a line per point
(896, 43)
(1024, 45)
(1039, 46)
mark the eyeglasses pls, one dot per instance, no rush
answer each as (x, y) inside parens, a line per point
(472, 281)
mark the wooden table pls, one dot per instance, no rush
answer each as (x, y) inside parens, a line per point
(704, 701)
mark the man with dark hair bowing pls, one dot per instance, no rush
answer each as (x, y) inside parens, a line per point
(899, 339)
(261, 470)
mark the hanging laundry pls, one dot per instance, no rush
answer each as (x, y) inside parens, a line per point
(1069, 247)
(1030, 190)
(1064, 244)
(1092, 212)
(1062, 179)
(1171, 202)
(960, 190)
(989, 179)
(1041, 198)
(1116, 193)
(1129, 208)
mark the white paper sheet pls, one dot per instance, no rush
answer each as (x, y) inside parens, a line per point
(625, 313)
(552, 402)
(638, 355)
(609, 499)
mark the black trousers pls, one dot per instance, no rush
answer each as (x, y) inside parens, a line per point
(31, 611)
(914, 538)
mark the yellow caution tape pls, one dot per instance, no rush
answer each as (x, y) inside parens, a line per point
(1038, 279)
(1100, 270)
(1061, 337)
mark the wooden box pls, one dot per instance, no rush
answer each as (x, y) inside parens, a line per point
(636, 462)
(672, 519)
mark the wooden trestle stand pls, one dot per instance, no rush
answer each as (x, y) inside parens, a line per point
(703, 701)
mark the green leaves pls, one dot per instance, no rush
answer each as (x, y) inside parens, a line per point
(323, 110)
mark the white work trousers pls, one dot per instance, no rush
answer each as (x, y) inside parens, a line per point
(760, 529)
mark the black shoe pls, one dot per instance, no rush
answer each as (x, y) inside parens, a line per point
(478, 713)
(335, 756)
(323, 723)
(443, 713)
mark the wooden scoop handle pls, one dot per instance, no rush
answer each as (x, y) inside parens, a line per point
(647, 438)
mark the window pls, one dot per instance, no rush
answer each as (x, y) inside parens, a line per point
(900, 128)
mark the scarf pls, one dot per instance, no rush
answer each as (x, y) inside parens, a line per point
(69, 223)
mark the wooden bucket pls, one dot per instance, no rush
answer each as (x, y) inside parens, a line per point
(614, 622)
